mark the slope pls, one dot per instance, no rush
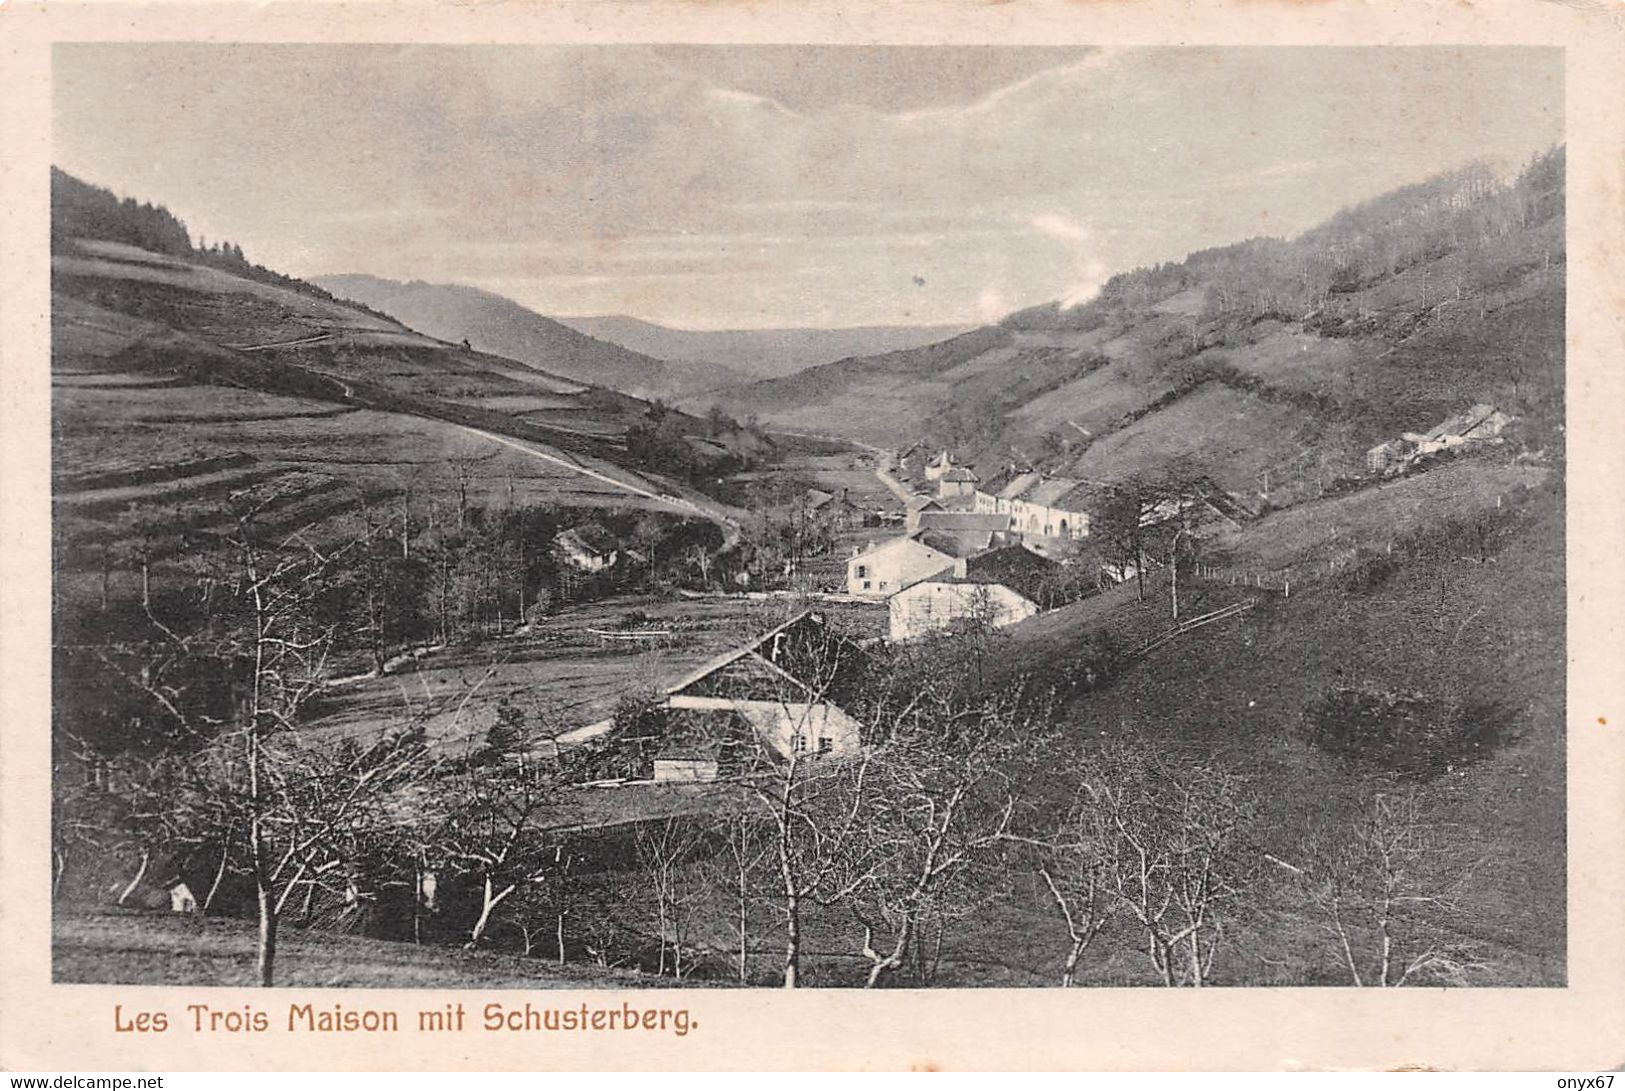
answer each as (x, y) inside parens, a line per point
(1468, 607)
(496, 324)
(1280, 360)
(188, 383)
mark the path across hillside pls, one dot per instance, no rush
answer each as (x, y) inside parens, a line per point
(730, 526)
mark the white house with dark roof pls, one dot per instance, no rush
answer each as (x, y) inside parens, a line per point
(785, 684)
(894, 564)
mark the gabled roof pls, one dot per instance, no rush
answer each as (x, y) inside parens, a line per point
(964, 520)
(954, 543)
(960, 473)
(890, 544)
(964, 581)
(817, 498)
(755, 668)
(922, 503)
(713, 665)
(944, 459)
(1015, 566)
(584, 539)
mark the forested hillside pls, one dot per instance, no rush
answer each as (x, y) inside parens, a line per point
(1285, 357)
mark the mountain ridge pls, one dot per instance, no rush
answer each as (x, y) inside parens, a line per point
(767, 352)
(496, 324)
(1278, 359)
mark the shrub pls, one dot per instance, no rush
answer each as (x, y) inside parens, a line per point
(1404, 731)
(1368, 572)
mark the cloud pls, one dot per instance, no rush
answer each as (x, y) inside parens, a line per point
(1002, 181)
(991, 304)
(1079, 239)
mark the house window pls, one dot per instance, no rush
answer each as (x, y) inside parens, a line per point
(866, 585)
(825, 744)
(863, 570)
(798, 743)
(882, 585)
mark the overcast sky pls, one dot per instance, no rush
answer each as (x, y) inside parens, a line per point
(713, 187)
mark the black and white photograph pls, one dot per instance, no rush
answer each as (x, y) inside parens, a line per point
(834, 517)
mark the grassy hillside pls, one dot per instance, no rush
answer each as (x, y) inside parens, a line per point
(1285, 357)
(1468, 606)
(496, 324)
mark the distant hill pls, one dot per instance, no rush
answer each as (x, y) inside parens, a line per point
(763, 353)
(496, 324)
(1273, 362)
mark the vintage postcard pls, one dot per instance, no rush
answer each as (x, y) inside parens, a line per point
(650, 537)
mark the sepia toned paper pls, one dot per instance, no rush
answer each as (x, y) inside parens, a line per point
(1577, 1025)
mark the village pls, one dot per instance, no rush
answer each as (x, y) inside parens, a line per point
(928, 554)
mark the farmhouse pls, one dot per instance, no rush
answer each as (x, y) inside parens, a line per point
(893, 565)
(1050, 507)
(910, 462)
(958, 483)
(785, 683)
(916, 507)
(1481, 423)
(960, 544)
(1478, 424)
(837, 512)
(941, 605)
(584, 550)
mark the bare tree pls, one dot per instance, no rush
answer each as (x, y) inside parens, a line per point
(1384, 892)
(821, 849)
(1173, 854)
(737, 868)
(497, 836)
(1070, 863)
(667, 851)
(287, 812)
(944, 792)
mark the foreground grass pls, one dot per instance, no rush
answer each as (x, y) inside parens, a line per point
(134, 947)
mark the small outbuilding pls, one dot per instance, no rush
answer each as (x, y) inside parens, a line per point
(686, 765)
